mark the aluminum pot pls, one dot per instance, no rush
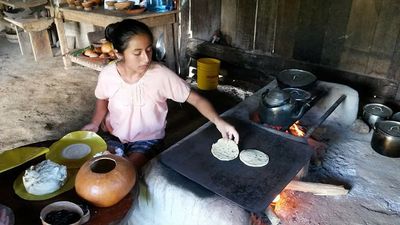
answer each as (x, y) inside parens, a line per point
(375, 112)
(396, 117)
(296, 78)
(386, 138)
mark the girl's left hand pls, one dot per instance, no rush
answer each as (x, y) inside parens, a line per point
(227, 130)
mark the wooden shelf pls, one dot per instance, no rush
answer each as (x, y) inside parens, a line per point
(31, 24)
(158, 22)
(92, 63)
(103, 17)
(23, 3)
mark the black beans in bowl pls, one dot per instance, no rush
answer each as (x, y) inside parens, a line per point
(62, 217)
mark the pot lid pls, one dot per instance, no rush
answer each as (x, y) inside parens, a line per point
(296, 77)
(276, 97)
(378, 110)
(298, 94)
(396, 116)
(390, 127)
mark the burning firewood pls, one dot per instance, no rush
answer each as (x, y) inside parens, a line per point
(317, 188)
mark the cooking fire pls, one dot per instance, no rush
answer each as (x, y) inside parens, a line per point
(297, 130)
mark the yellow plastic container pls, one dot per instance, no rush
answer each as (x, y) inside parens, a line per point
(207, 73)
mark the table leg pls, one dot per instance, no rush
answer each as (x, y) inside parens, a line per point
(63, 42)
(19, 38)
(40, 44)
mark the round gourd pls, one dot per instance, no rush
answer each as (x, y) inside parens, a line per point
(105, 180)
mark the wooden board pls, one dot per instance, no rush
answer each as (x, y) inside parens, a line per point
(205, 18)
(336, 35)
(241, 31)
(394, 69)
(40, 44)
(287, 18)
(360, 31)
(245, 25)
(23, 4)
(266, 26)
(310, 32)
(228, 20)
(384, 39)
(24, 43)
(31, 24)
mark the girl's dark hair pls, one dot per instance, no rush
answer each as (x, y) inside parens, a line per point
(120, 33)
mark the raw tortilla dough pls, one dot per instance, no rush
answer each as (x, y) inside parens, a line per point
(254, 158)
(44, 178)
(225, 150)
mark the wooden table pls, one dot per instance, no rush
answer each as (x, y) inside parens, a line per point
(27, 212)
(35, 40)
(158, 22)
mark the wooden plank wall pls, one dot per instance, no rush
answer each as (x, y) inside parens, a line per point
(357, 36)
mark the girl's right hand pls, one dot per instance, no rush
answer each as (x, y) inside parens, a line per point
(91, 127)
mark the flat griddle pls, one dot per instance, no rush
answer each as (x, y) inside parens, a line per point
(251, 188)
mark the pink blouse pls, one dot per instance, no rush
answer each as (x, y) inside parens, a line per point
(138, 111)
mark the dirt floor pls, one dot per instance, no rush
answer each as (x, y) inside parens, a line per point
(41, 100)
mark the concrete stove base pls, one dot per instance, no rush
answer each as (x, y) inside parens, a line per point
(374, 197)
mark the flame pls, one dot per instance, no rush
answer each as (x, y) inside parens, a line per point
(274, 202)
(276, 199)
(297, 130)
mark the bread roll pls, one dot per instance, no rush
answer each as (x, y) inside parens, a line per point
(90, 53)
(112, 55)
(106, 47)
(103, 55)
(97, 50)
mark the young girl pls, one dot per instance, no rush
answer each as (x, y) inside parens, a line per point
(132, 93)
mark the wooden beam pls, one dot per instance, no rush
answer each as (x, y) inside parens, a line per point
(102, 17)
(316, 188)
(23, 4)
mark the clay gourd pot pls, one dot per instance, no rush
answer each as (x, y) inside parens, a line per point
(105, 180)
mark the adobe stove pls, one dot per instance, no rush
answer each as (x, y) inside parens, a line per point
(219, 192)
(283, 109)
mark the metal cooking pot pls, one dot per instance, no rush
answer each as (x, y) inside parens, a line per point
(278, 108)
(386, 138)
(298, 94)
(296, 78)
(396, 117)
(375, 112)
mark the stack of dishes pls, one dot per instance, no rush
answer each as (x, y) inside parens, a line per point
(72, 151)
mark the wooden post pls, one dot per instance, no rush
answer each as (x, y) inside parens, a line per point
(63, 42)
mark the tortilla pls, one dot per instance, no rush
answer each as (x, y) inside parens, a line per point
(225, 150)
(254, 158)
